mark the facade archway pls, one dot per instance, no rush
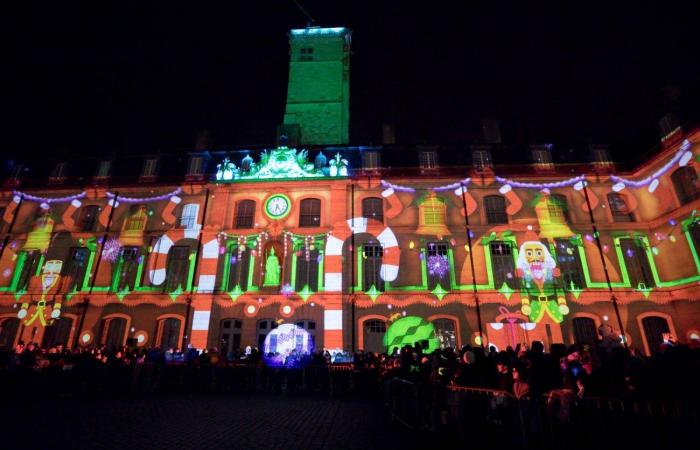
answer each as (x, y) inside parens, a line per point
(652, 326)
(170, 331)
(371, 331)
(115, 328)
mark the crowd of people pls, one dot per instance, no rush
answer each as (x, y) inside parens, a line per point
(582, 370)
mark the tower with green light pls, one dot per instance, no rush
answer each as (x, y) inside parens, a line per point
(318, 93)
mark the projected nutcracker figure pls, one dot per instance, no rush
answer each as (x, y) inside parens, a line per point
(537, 270)
(47, 283)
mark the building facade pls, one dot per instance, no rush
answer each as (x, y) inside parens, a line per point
(344, 248)
(217, 248)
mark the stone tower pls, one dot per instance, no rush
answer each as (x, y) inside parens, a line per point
(318, 94)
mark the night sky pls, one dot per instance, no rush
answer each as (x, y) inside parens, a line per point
(134, 79)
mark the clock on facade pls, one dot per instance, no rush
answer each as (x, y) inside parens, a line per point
(277, 206)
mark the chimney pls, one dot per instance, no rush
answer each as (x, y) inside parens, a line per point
(388, 134)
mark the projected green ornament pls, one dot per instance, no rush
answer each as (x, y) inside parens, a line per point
(409, 330)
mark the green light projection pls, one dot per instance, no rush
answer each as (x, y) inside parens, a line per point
(410, 330)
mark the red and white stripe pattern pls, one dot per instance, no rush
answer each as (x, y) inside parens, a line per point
(333, 259)
(159, 255)
(208, 262)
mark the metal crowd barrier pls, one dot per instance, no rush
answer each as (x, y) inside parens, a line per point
(486, 418)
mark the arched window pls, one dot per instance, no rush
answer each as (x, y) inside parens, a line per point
(685, 182)
(654, 329)
(8, 331)
(230, 335)
(558, 208)
(446, 332)
(58, 333)
(169, 333)
(495, 207)
(245, 214)
(373, 208)
(373, 331)
(585, 330)
(113, 332)
(188, 217)
(310, 212)
(618, 208)
(88, 217)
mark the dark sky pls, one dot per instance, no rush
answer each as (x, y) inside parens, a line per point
(137, 78)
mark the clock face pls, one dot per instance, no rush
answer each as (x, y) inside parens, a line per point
(277, 206)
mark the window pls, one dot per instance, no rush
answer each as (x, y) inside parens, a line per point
(170, 333)
(196, 166)
(307, 54)
(103, 169)
(113, 332)
(542, 157)
(685, 183)
(502, 264)
(310, 212)
(694, 231)
(29, 268)
(245, 214)
(428, 160)
(637, 263)
(370, 160)
(585, 331)
(373, 208)
(177, 268)
(373, 331)
(654, 329)
(372, 265)
(558, 209)
(495, 206)
(188, 217)
(76, 267)
(8, 332)
(127, 268)
(88, 217)
(59, 171)
(481, 159)
(238, 272)
(437, 250)
(137, 218)
(307, 271)
(618, 208)
(58, 333)
(231, 335)
(149, 168)
(263, 328)
(569, 264)
(445, 332)
(432, 211)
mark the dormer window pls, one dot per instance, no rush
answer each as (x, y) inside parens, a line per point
(58, 174)
(542, 157)
(370, 160)
(196, 166)
(149, 168)
(17, 171)
(481, 159)
(428, 160)
(601, 157)
(103, 169)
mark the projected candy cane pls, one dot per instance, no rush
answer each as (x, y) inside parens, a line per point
(334, 249)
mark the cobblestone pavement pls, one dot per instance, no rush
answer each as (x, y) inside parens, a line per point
(246, 421)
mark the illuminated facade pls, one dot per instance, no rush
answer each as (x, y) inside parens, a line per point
(239, 247)
(218, 248)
